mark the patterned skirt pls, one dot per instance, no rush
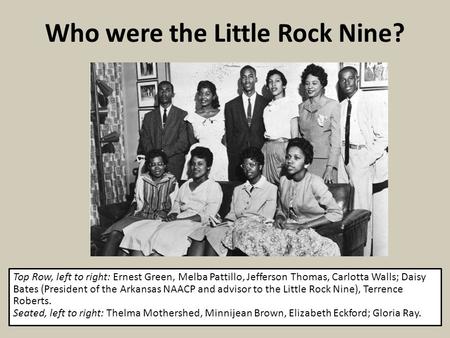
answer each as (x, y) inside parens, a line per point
(256, 238)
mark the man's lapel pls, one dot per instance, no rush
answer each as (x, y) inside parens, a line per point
(157, 118)
(241, 112)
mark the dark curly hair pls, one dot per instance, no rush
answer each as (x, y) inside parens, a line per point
(203, 153)
(151, 155)
(317, 71)
(305, 146)
(212, 87)
(273, 72)
(254, 154)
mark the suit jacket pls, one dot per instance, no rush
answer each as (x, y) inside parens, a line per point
(173, 139)
(238, 134)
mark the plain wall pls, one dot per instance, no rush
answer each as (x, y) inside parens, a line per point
(185, 77)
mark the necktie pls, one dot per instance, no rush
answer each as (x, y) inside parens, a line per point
(249, 112)
(164, 117)
(347, 132)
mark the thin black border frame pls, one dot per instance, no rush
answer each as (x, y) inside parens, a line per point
(146, 78)
(211, 325)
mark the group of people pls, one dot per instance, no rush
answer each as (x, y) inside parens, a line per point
(283, 155)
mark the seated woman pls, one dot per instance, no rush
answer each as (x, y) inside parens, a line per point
(197, 202)
(304, 202)
(256, 198)
(155, 191)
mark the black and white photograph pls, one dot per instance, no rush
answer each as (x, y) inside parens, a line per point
(147, 92)
(374, 75)
(238, 185)
(241, 159)
(146, 70)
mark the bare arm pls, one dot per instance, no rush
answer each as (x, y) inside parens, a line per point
(228, 126)
(335, 138)
(294, 128)
(280, 217)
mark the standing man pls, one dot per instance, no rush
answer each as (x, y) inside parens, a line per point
(164, 128)
(363, 152)
(244, 125)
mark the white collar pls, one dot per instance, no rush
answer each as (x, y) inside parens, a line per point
(262, 181)
(161, 108)
(252, 97)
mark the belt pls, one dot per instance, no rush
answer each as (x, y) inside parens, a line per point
(355, 146)
(281, 139)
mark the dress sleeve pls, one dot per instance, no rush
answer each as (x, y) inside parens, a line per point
(192, 118)
(173, 195)
(293, 109)
(335, 140)
(213, 202)
(324, 197)
(295, 132)
(279, 210)
(139, 193)
(270, 205)
(232, 214)
(176, 204)
(266, 119)
(221, 120)
(189, 118)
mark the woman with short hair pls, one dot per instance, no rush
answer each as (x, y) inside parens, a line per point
(208, 125)
(196, 206)
(255, 199)
(155, 192)
(304, 202)
(319, 122)
(277, 120)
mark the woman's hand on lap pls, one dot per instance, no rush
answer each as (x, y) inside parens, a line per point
(279, 222)
(170, 217)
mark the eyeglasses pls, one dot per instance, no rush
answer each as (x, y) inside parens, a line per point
(249, 165)
(152, 165)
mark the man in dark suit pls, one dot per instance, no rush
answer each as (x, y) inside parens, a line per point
(164, 128)
(244, 125)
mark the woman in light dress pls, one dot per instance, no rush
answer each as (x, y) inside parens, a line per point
(255, 199)
(277, 120)
(208, 123)
(196, 204)
(304, 202)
